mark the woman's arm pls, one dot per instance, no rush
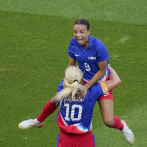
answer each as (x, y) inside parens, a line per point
(72, 61)
(114, 80)
(102, 71)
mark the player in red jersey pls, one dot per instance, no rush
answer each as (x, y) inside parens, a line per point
(74, 118)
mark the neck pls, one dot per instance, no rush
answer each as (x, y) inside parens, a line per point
(86, 44)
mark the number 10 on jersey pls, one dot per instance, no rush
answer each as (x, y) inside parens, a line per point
(71, 116)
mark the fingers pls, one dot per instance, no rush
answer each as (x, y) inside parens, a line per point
(82, 96)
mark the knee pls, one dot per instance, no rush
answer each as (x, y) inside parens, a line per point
(109, 122)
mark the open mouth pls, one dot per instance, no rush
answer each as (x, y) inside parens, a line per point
(79, 39)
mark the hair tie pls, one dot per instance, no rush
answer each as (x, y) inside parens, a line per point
(75, 80)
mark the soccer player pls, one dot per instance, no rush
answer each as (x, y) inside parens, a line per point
(74, 118)
(92, 57)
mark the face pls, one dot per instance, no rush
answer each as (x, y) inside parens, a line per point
(81, 34)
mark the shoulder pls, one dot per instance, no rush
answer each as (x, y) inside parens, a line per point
(95, 91)
(95, 87)
(96, 42)
(72, 44)
(60, 86)
(94, 39)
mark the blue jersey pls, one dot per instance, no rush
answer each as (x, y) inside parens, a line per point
(75, 117)
(88, 58)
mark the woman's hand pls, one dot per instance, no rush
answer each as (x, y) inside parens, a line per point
(82, 95)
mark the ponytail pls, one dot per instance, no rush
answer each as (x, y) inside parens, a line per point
(73, 83)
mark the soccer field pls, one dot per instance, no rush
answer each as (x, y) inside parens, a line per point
(34, 37)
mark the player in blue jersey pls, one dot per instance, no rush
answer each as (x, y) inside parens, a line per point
(74, 118)
(92, 57)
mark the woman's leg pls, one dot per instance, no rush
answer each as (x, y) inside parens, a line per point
(106, 107)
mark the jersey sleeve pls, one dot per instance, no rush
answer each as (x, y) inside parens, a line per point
(70, 48)
(101, 52)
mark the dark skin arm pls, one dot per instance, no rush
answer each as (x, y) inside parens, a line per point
(102, 71)
(102, 66)
(72, 61)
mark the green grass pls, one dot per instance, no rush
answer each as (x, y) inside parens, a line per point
(109, 10)
(33, 57)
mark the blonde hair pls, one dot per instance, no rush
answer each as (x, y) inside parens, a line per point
(73, 83)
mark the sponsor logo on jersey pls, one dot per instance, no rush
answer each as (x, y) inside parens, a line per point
(91, 58)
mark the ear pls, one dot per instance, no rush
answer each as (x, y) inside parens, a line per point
(88, 32)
